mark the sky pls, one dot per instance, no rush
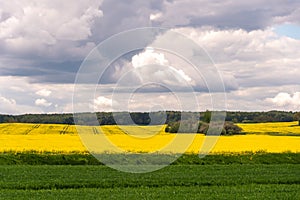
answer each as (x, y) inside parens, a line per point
(254, 45)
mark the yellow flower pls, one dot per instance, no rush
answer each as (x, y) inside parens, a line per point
(65, 138)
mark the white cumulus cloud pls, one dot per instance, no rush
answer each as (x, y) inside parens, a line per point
(44, 92)
(46, 26)
(102, 103)
(42, 102)
(286, 99)
(155, 16)
(7, 105)
(150, 57)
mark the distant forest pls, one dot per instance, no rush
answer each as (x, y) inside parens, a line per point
(108, 118)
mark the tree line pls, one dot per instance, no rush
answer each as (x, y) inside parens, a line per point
(144, 118)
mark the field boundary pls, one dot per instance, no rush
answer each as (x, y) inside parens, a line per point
(78, 158)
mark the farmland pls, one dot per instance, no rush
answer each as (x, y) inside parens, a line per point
(173, 182)
(273, 128)
(40, 161)
(64, 138)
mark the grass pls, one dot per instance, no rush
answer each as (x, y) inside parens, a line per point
(174, 182)
(256, 191)
(77, 158)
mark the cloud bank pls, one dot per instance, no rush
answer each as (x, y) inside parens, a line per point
(43, 43)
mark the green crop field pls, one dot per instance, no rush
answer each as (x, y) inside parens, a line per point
(174, 182)
(49, 162)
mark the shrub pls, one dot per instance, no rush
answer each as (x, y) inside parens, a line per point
(229, 128)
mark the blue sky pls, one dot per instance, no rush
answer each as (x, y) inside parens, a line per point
(255, 46)
(289, 30)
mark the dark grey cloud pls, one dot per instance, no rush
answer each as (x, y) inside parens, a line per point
(267, 77)
(53, 53)
(248, 20)
(248, 15)
(120, 15)
(44, 72)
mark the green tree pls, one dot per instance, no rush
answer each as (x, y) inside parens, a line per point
(207, 116)
(297, 117)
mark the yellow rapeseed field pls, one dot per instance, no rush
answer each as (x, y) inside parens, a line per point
(64, 138)
(39, 137)
(289, 128)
